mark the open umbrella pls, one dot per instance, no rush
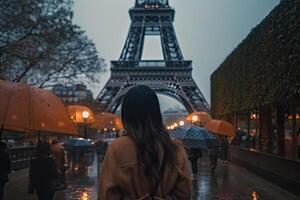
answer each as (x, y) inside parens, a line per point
(78, 143)
(197, 137)
(107, 121)
(178, 132)
(27, 109)
(201, 117)
(221, 127)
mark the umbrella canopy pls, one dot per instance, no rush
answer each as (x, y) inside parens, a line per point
(107, 121)
(178, 132)
(221, 127)
(76, 113)
(201, 117)
(27, 109)
(78, 143)
(197, 137)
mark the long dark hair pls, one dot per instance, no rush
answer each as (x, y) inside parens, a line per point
(142, 121)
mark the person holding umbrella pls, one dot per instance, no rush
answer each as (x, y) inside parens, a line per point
(4, 168)
(213, 153)
(223, 128)
(194, 154)
(58, 152)
(224, 149)
(43, 173)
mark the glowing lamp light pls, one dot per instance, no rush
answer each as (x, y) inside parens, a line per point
(85, 114)
(105, 129)
(181, 123)
(175, 125)
(84, 196)
(172, 127)
(253, 116)
(114, 129)
(194, 118)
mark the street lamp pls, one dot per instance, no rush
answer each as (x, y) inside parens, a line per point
(175, 125)
(181, 123)
(85, 116)
(194, 118)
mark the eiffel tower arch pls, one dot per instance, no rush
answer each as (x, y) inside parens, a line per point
(171, 76)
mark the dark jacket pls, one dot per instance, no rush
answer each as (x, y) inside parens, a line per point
(4, 166)
(194, 154)
(42, 175)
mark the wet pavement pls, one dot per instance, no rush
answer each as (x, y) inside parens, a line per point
(230, 182)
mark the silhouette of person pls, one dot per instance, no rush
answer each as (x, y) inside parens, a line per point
(43, 173)
(194, 154)
(58, 152)
(5, 168)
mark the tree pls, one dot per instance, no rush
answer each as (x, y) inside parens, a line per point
(40, 45)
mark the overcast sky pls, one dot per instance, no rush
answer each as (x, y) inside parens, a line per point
(207, 31)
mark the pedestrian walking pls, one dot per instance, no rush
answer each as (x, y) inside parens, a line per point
(224, 149)
(5, 168)
(100, 151)
(194, 154)
(43, 173)
(213, 157)
(145, 163)
(298, 143)
(58, 152)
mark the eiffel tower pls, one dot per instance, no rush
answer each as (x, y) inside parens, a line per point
(171, 76)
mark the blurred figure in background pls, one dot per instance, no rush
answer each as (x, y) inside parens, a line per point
(213, 157)
(4, 168)
(193, 156)
(298, 143)
(101, 148)
(58, 152)
(224, 149)
(43, 173)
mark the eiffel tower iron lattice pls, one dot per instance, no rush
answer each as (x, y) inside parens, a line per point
(171, 76)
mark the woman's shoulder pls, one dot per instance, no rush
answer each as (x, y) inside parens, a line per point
(124, 151)
(178, 143)
(121, 143)
(180, 151)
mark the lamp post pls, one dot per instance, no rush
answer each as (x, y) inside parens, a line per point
(85, 116)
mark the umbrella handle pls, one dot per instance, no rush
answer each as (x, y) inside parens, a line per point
(39, 137)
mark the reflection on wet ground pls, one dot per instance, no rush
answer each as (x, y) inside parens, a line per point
(83, 187)
(233, 182)
(230, 182)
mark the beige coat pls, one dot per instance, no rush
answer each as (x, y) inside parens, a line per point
(122, 178)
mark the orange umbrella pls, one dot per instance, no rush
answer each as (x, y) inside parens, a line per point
(76, 112)
(26, 109)
(202, 117)
(107, 121)
(221, 127)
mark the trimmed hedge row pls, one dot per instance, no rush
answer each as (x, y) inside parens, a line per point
(264, 68)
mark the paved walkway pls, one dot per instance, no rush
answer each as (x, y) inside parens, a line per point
(230, 182)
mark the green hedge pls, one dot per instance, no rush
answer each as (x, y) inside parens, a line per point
(264, 68)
